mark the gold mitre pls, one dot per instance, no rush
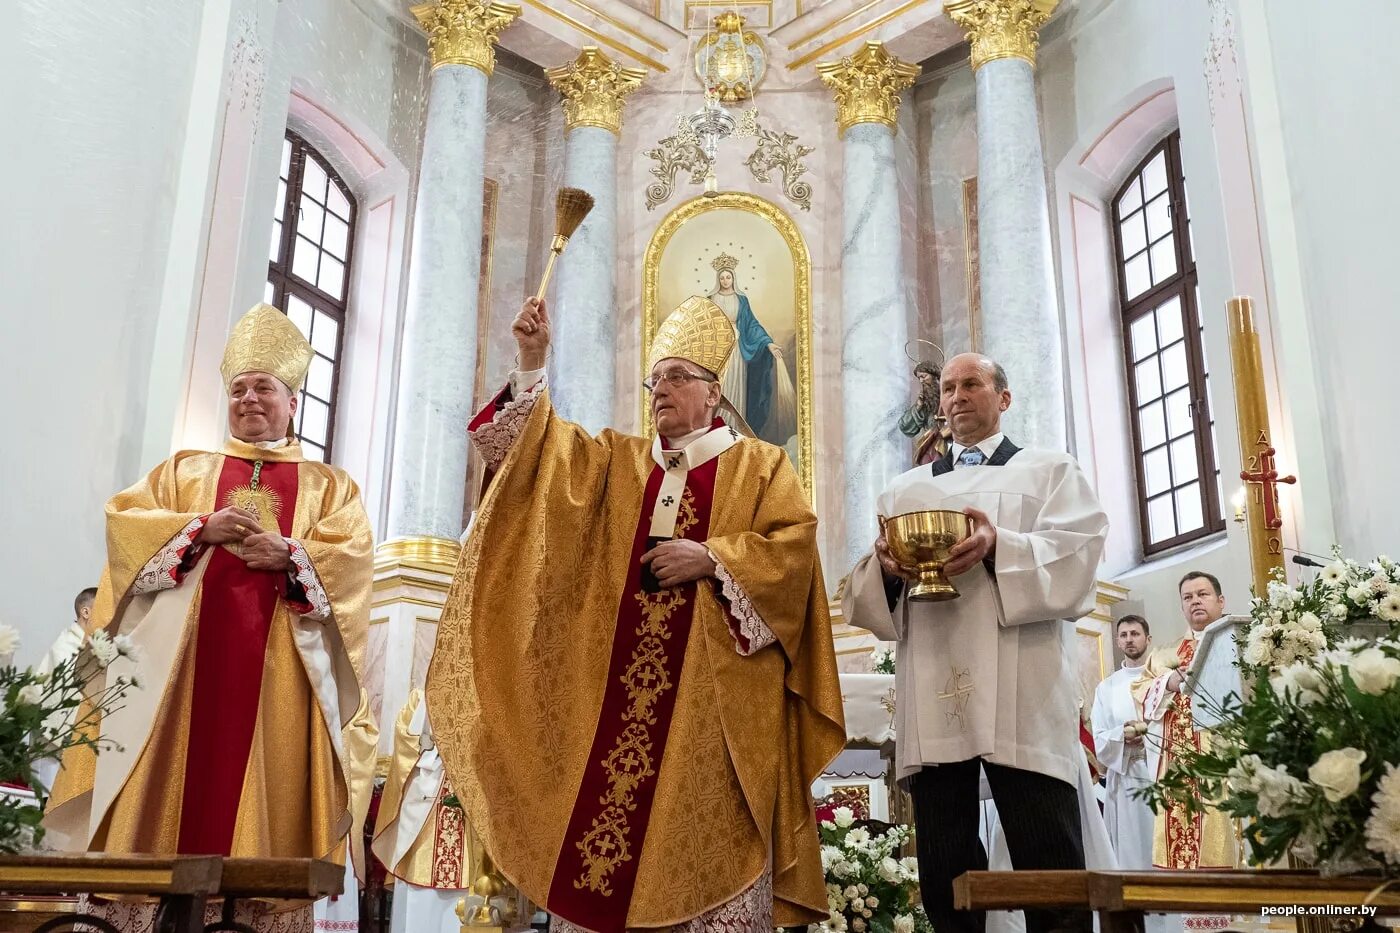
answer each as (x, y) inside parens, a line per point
(266, 341)
(697, 331)
(724, 263)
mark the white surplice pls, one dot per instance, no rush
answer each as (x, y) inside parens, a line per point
(1129, 819)
(992, 674)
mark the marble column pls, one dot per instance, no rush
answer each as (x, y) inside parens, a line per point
(1020, 309)
(875, 313)
(437, 361)
(583, 367)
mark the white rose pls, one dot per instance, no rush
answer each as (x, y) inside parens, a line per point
(1300, 681)
(904, 923)
(1278, 791)
(828, 825)
(1339, 611)
(851, 893)
(862, 889)
(1358, 594)
(867, 913)
(1379, 583)
(9, 640)
(830, 856)
(889, 870)
(1337, 773)
(843, 869)
(1310, 622)
(1373, 671)
(843, 817)
(858, 904)
(31, 694)
(872, 902)
(858, 924)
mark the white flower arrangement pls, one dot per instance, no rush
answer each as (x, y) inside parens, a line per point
(869, 889)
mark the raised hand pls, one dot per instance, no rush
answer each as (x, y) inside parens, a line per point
(531, 331)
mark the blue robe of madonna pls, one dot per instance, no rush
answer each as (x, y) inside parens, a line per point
(753, 349)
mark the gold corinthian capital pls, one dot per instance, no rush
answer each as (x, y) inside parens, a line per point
(464, 32)
(1001, 28)
(867, 85)
(592, 87)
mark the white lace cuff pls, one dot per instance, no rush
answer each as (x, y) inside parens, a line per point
(494, 438)
(162, 572)
(750, 632)
(311, 601)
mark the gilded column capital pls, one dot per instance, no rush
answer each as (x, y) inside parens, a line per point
(1001, 28)
(593, 87)
(867, 85)
(464, 32)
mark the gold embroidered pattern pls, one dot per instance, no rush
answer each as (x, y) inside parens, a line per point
(685, 516)
(959, 690)
(645, 679)
(262, 502)
(604, 847)
(628, 765)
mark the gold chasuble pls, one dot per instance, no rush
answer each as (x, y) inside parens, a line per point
(249, 735)
(1180, 840)
(635, 757)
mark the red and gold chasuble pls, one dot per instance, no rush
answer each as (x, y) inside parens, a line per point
(597, 866)
(230, 652)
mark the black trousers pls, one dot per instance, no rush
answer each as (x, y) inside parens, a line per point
(1039, 815)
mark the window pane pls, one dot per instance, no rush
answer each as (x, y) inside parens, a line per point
(300, 312)
(1154, 177)
(1152, 426)
(269, 293)
(1174, 372)
(281, 205)
(1149, 380)
(313, 452)
(286, 158)
(1188, 508)
(1136, 278)
(1179, 413)
(1184, 460)
(1157, 471)
(313, 180)
(1131, 199)
(323, 337)
(337, 203)
(1164, 260)
(1161, 519)
(1159, 218)
(1134, 235)
(274, 249)
(331, 279)
(304, 260)
(336, 235)
(1144, 338)
(309, 219)
(320, 377)
(315, 417)
(1169, 322)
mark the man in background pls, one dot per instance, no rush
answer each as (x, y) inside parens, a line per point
(1118, 742)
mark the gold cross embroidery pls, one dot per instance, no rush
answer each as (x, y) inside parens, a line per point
(959, 690)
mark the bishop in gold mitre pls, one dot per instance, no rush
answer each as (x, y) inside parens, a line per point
(243, 576)
(634, 683)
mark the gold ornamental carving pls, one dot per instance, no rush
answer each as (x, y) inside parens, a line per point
(593, 87)
(867, 85)
(731, 59)
(1001, 28)
(464, 32)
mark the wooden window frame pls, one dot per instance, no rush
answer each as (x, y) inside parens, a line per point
(285, 282)
(1183, 286)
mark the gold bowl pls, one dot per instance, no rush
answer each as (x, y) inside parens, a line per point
(920, 541)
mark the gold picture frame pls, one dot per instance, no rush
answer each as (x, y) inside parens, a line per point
(759, 215)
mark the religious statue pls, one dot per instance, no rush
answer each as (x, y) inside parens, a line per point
(756, 380)
(923, 421)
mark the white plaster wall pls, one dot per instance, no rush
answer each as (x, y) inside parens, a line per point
(95, 113)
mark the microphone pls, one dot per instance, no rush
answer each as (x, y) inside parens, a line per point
(1302, 561)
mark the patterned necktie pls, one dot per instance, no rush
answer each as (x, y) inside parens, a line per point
(971, 457)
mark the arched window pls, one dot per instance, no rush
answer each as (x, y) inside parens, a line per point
(1168, 384)
(308, 275)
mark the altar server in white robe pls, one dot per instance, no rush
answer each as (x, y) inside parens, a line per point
(986, 682)
(1118, 741)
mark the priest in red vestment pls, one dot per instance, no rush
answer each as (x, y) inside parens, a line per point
(243, 577)
(634, 682)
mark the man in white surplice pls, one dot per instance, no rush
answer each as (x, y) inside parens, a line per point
(1118, 741)
(986, 682)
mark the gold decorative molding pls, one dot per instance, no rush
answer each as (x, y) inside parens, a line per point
(549, 9)
(855, 33)
(1001, 28)
(420, 550)
(593, 87)
(867, 85)
(464, 32)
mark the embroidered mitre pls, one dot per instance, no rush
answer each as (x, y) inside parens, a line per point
(697, 331)
(266, 341)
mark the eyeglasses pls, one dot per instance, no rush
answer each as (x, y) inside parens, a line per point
(675, 379)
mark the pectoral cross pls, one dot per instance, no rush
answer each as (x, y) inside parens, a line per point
(1265, 475)
(958, 689)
